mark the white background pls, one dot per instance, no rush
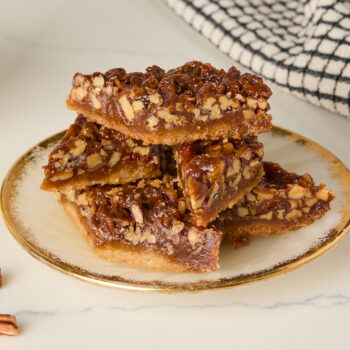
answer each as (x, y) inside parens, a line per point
(42, 44)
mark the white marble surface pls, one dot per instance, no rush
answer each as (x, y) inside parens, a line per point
(42, 43)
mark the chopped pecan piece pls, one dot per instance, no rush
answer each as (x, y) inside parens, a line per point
(92, 154)
(216, 174)
(8, 325)
(280, 203)
(143, 224)
(188, 103)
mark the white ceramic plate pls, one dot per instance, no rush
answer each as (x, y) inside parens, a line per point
(39, 224)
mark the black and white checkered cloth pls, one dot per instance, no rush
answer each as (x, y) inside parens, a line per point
(301, 45)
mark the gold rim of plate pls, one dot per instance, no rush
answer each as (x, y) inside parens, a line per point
(19, 232)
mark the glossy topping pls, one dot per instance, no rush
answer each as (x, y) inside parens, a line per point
(151, 214)
(89, 150)
(194, 101)
(281, 202)
(216, 174)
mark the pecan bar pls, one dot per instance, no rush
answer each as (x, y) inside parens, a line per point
(280, 203)
(145, 225)
(92, 154)
(216, 174)
(191, 102)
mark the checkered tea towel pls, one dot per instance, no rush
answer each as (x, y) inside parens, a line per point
(301, 45)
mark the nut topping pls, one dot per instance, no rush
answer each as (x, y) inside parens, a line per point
(297, 192)
(95, 101)
(98, 81)
(293, 214)
(211, 105)
(248, 114)
(167, 116)
(251, 102)
(267, 216)
(126, 107)
(152, 122)
(246, 173)
(322, 194)
(144, 151)
(236, 166)
(293, 204)
(195, 240)
(262, 104)
(155, 98)
(138, 106)
(177, 228)
(182, 206)
(250, 197)
(94, 161)
(137, 213)
(62, 176)
(114, 159)
(197, 203)
(79, 148)
(78, 94)
(242, 211)
(310, 202)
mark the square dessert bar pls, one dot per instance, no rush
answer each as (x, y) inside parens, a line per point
(280, 203)
(144, 224)
(188, 103)
(216, 174)
(91, 154)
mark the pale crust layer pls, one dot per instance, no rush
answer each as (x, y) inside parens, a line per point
(124, 172)
(230, 126)
(259, 227)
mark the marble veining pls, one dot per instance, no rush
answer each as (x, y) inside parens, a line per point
(318, 301)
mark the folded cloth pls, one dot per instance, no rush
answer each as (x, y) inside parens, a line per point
(301, 45)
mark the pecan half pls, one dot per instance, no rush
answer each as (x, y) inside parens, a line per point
(8, 325)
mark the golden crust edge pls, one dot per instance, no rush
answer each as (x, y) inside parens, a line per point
(167, 137)
(143, 170)
(262, 228)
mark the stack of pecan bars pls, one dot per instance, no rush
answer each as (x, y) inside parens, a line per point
(159, 167)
